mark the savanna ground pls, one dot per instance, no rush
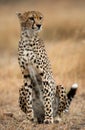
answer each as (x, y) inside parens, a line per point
(64, 35)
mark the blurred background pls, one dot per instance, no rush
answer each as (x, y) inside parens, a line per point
(64, 36)
(63, 33)
(63, 20)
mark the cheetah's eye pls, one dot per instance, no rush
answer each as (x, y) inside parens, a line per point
(40, 17)
(31, 18)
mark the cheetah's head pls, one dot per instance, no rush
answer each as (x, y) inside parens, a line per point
(31, 20)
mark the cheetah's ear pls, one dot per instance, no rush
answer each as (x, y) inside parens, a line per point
(18, 14)
(22, 16)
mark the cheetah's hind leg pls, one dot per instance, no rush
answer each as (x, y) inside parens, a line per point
(64, 100)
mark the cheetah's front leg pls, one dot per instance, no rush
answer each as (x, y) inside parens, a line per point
(47, 103)
(25, 98)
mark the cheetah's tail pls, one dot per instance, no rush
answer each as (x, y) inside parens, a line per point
(70, 95)
(72, 92)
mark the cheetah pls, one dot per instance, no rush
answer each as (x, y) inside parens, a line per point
(36, 71)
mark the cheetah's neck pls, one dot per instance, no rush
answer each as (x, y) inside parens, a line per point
(28, 33)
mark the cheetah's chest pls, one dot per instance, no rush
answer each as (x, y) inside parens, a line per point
(33, 74)
(36, 81)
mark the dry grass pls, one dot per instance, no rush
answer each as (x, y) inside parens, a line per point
(64, 32)
(68, 67)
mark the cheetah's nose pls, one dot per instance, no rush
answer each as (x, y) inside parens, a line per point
(38, 25)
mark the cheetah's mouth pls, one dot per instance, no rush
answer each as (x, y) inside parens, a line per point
(37, 28)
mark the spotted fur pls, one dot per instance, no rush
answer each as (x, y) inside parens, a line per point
(36, 70)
